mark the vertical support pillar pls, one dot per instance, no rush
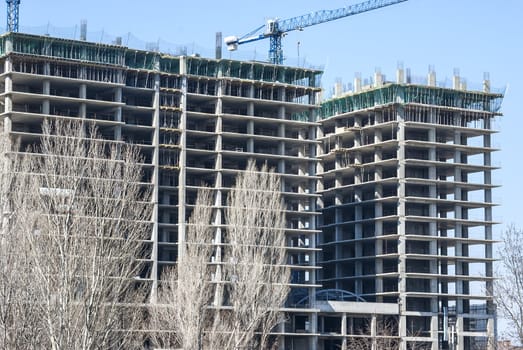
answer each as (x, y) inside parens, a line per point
(183, 157)
(458, 250)
(378, 206)
(155, 273)
(433, 232)
(456, 82)
(487, 178)
(378, 78)
(431, 78)
(358, 211)
(250, 122)
(82, 93)
(338, 212)
(281, 144)
(311, 170)
(373, 332)
(218, 220)
(402, 263)
(357, 83)
(118, 96)
(46, 90)
(400, 75)
(8, 101)
(344, 331)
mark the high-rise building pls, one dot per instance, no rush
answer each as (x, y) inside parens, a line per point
(407, 203)
(387, 189)
(197, 122)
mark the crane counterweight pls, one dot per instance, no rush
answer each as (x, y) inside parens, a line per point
(231, 42)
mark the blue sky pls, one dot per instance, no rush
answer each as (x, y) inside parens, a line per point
(474, 36)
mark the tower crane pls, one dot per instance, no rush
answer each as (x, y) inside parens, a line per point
(12, 15)
(275, 28)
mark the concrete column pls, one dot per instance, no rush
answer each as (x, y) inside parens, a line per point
(402, 285)
(250, 123)
(491, 332)
(250, 140)
(338, 88)
(281, 144)
(459, 333)
(458, 228)
(313, 344)
(434, 329)
(378, 78)
(358, 214)
(378, 248)
(155, 180)
(8, 101)
(183, 158)
(373, 332)
(281, 340)
(83, 95)
(400, 75)
(46, 90)
(433, 245)
(357, 134)
(378, 207)
(459, 267)
(487, 178)
(8, 44)
(357, 83)
(456, 83)
(338, 218)
(118, 115)
(344, 331)
(218, 199)
(431, 78)
(314, 132)
(319, 165)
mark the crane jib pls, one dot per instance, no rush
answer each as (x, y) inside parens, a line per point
(275, 28)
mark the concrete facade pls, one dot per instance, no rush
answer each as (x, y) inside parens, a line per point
(407, 204)
(383, 199)
(197, 122)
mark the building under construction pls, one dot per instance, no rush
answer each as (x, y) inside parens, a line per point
(387, 188)
(406, 196)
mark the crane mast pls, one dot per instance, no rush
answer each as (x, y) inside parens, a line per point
(276, 28)
(12, 15)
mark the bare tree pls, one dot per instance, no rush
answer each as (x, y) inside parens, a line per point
(255, 259)
(182, 313)
(250, 281)
(509, 286)
(384, 336)
(84, 216)
(18, 321)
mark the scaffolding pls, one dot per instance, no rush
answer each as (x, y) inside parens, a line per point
(170, 64)
(250, 71)
(141, 59)
(413, 94)
(471, 100)
(63, 48)
(114, 58)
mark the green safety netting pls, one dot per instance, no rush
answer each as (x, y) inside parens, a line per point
(427, 95)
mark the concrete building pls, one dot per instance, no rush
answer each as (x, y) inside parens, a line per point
(407, 204)
(197, 121)
(405, 193)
